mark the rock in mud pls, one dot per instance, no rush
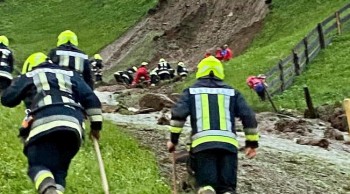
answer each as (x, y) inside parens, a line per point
(332, 133)
(321, 142)
(156, 101)
(163, 120)
(299, 126)
(175, 96)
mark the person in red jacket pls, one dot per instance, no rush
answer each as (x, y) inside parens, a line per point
(141, 74)
(218, 54)
(226, 53)
(257, 83)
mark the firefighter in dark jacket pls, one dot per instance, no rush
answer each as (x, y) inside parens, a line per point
(182, 70)
(213, 106)
(6, 63)
(57, 101)
(164, 69)
(96, 67)
(69, 56)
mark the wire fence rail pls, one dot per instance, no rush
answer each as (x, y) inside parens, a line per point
(281, 76)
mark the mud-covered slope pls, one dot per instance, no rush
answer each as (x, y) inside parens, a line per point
(184, 29)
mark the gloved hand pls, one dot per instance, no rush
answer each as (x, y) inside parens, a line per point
(250, 152)
(171, 147)
(95, 134)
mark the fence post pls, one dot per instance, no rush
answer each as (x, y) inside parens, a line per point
(321, 35)
(310, 107)
(296, 62)
(280, 66)
(306, 44)
(337, 17)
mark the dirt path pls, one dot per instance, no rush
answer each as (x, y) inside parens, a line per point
(282, 166)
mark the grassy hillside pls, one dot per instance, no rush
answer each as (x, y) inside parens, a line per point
(129, 169)
(288, 22)
(34, 25)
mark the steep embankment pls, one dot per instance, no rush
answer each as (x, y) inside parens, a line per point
(184, 30)
(33, 26)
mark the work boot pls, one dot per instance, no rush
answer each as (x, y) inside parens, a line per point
(50, 190)
(206, 190)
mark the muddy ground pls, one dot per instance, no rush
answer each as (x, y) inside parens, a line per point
(185, 30)
(282, 165)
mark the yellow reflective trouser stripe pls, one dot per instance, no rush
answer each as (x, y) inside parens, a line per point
(59, 192)
(252, 137)
(205, 111)
(43, 81)
(175, 129)
(96, 118)
(41, 178)
(222, 113)
(41, 128)
(214, 138)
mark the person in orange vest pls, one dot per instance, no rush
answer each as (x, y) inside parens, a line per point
(257, 83)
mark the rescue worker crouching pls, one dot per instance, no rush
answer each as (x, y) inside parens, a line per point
(182, 70)
(6, 63)
(164, 69)
(154, 77)
(96, 67)
(141, 75)
(213, 106)
(57, 100)
(125, 77)
(69, 56)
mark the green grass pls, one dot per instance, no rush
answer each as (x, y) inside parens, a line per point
(34, 25)
(327, 77)
(130, 169)
(288, 22)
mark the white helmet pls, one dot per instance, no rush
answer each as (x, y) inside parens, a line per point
(144, 63)
(181, 64)
(161, 60)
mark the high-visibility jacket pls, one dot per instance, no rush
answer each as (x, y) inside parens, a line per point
(70, 57)
(6, 62)
(164, 68)
(58, 99)
(182, 71)
(213, 106)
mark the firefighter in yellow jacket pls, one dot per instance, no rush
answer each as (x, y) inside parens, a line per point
(57, 101)
(213, 106)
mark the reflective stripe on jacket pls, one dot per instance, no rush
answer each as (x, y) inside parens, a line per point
(213, 105)
(58, 98)
(70, 57)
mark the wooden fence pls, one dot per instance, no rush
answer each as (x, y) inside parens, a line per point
(282, 75)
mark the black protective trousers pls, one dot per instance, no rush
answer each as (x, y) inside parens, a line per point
(216, 168)
(52, 152)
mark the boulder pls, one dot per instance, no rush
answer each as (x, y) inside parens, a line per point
(175, 96)
(156, 101)
(321, 142)
(299, 126)
(163, 120)
(332, 133)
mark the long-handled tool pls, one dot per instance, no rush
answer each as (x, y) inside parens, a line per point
(101, 166)
(174, 174)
